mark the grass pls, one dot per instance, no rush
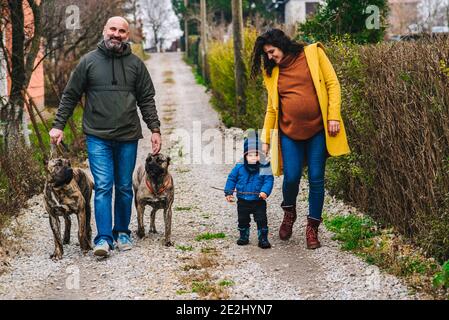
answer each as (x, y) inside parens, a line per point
(210, 236)
(181, 292)
(183, 208)
(169, 81)
(209, 250)
(354, 232)
(226, 283)
(384, 248)
(198, 76)
(199, 79)
(198, 278)
(184, 248)
(441, 278)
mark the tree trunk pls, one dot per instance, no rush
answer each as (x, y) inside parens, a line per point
(12, 113)
(240, 77)
(186, 28)
(21, 68)
(203, 38)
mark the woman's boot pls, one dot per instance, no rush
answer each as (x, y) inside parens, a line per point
(285, 231)
(312, 233)
(262, 234)
(244, 236)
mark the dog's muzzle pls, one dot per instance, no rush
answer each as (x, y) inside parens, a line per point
(154, 170)
(67, 176)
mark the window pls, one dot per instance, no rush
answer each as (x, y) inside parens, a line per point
(311, 8)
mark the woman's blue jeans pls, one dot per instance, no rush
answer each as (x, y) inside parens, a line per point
(293, 154)
(112, 163)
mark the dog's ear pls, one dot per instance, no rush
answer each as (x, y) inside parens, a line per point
(168, 161)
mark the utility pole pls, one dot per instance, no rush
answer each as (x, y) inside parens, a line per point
(240, 78)
(203, 37)
(186, 27)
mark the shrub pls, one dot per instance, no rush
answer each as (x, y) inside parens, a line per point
(222, 79)
(340, 17)
(21, 177)
(395, 106)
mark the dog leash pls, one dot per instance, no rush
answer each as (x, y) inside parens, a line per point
(235, 191)
(54, 149)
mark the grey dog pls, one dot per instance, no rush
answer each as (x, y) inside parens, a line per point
(153, 186)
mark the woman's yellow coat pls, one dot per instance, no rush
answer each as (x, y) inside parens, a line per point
(329, 96)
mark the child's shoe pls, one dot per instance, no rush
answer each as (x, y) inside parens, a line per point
(244, 237)
(263, 238)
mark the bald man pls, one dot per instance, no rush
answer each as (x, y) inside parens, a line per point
(115, 82)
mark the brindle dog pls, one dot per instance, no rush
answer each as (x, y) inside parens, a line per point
(68, 191)
(153, 186)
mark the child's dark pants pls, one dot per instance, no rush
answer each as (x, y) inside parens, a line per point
(256, 207)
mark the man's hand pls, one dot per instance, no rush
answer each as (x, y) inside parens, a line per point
(265, 148)
(230, 198)
(333, 126)
(263, 195)
(156, 142)
(56, 136)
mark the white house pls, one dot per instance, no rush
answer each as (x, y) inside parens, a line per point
(297, 11)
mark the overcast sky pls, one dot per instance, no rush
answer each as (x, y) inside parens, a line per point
(160, 12)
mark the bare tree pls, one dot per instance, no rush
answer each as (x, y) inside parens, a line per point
(433, 13)
(402, 17)
(62, 47)
(160, 19)
(134, 14)
(63, 44)
(20, 61)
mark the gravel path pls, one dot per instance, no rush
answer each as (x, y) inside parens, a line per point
(152, 271)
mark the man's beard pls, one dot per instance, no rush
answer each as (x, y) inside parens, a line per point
(115, 47)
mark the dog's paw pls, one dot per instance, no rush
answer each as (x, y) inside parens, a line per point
(168, 243)
(87, 247)
(141, 233)
(56, 256)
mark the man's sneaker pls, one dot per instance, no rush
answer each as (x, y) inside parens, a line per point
(102, 248)
(124, 242)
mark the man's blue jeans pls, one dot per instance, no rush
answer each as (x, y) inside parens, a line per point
(112, 163)
(293, 153)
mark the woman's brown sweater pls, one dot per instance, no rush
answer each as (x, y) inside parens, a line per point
(300, 117)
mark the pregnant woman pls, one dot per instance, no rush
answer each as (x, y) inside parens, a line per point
(303, 124)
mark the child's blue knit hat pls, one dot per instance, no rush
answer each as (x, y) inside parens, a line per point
(252, 143)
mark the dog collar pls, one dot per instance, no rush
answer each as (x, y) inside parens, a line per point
(161, 189)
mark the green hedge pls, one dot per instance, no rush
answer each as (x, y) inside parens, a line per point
(221, 74)
(395, 104)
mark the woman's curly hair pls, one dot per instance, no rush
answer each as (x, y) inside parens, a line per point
(277, 38)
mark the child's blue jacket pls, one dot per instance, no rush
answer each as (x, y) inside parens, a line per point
(243, 180)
